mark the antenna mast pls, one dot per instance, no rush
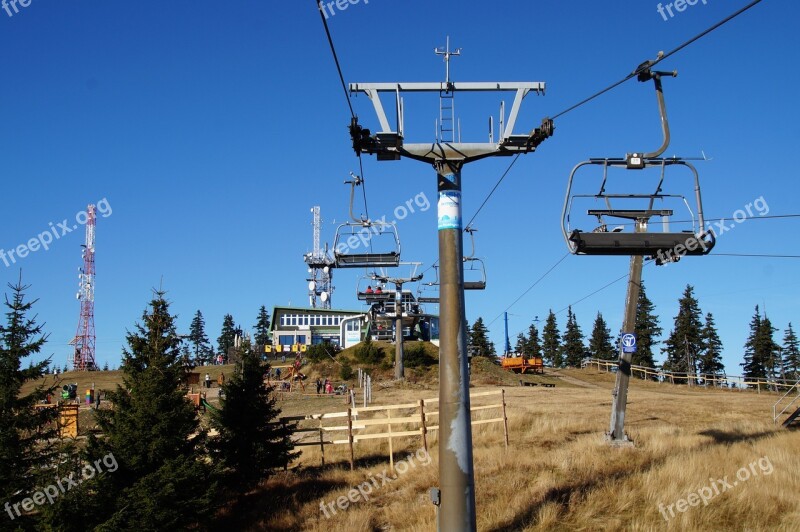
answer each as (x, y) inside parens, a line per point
(320, 268)
(83, 357)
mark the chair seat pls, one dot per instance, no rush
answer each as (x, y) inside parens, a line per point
(645, 244)
(367, 260)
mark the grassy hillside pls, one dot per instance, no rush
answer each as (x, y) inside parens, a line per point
(558, 472)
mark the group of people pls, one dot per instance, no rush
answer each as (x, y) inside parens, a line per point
(378, 290)
(324, 387)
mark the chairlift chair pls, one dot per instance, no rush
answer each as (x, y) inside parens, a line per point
(371, 281)
(367, 234)
(429, 292)
(474, 268)
(666, 245)
(643, 240)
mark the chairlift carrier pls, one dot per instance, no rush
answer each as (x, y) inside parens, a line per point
(666, 245)
(474, 267)
(362, 232)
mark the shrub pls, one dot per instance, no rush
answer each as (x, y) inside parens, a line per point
(321, 352)
(415, 356)
(346, 371)
(369, 353)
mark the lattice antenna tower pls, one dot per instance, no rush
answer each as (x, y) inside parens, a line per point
(83, 356)
(320, 268)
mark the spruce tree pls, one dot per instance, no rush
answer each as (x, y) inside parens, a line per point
(479, 340)
(685, 342)
(600, 345)
(24, 430)
(261, 337)
(534, 345)
(647, 330)
(574, 349)
(551, 342)
(710, 359)
(162, 481)
(772, 351)
(754, 365)
(228, 335)
(521, 347)
(762, 358)
(791, 354)
(201, 348)
(250, 443)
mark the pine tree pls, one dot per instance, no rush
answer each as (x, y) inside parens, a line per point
(685, 342)
(574, 349)
(250, 444)
(23, 429)
(521, 347)
(600, 345)
(201, 347)
(162, 480)
(647, 330)
(710, 359)
(533, 344)
(791, 354)
(261, 337)
(551, 342)
(105, 366)
(227, 337)
(479, 340)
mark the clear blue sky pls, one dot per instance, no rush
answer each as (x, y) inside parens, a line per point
(212, 128)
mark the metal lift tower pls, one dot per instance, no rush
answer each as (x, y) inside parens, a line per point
(320, 268)
(83, 357)
(457, 496)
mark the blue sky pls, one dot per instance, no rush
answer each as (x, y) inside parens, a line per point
(212, 128)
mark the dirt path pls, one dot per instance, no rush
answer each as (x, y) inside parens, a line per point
(571, 380)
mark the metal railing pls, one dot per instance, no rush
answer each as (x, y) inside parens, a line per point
(721, 381)
(775, 413)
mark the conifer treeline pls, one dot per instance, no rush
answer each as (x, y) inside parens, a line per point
(693, 345)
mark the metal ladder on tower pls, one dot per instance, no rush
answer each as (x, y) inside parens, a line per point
(793, 396)
(447, 116)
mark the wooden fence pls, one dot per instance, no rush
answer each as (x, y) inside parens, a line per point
(719, 381)
(394, 421)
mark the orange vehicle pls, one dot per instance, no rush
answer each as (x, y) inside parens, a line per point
(522, 364)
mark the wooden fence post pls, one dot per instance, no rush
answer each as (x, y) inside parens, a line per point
(322, 441)
(505, 419)
(350, 437)
(423, 426)
(391, 452)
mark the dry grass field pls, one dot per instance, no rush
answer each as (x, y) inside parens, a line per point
(558, 473)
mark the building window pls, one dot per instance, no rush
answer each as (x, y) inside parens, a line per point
(286, 339)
